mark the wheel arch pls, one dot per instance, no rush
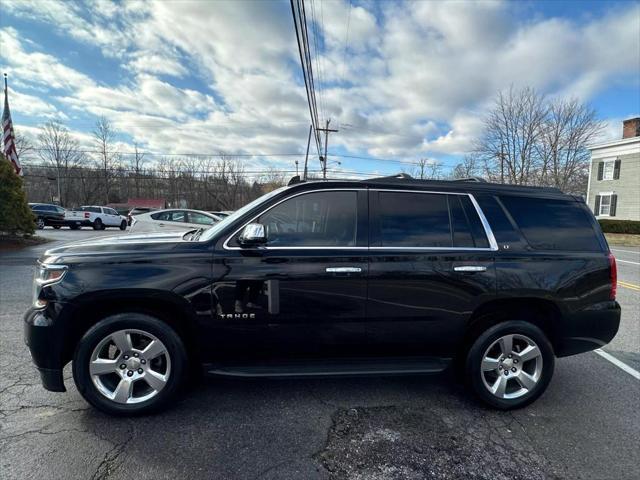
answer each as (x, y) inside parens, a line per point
(541, 312)
(168, 307)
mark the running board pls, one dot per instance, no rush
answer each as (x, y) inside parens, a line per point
(333, 367)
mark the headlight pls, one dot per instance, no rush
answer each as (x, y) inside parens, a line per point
(46, 275)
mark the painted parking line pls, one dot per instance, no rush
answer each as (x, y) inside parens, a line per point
(621, 365)
(627, 261)
(637, 252)
(630, 286)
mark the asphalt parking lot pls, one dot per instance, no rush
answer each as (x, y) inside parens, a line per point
(586, 426)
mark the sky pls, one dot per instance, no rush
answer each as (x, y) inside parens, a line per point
(400, 80)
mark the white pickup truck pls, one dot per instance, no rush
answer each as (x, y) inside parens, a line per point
(93, 216)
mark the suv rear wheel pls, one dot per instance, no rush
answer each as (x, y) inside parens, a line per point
(510, 364)
(40, 223)
(129, 364)
(98, 225)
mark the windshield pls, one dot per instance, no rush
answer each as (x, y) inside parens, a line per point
(222, 224)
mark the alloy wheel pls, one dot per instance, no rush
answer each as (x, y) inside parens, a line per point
(130, 366)
(511, 366)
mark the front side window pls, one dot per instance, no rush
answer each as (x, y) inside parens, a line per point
(169, 216)
(318, 219)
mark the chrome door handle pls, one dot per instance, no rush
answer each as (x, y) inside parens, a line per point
(343, 270)
(470, 268)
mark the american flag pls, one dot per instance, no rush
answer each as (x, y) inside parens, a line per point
(8, 137)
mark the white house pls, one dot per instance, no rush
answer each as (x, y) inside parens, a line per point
(614, 175)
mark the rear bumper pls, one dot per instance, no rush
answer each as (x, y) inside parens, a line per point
(588, 329)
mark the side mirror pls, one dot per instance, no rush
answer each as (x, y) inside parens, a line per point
(253, 234)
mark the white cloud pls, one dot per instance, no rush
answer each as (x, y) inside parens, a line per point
(418, 75)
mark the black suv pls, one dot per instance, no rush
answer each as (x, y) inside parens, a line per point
(48, 215)
(384, 276)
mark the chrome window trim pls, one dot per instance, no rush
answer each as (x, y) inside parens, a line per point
(493, 244)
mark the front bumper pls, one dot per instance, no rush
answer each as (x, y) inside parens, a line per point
(44, 338)
(588, 329)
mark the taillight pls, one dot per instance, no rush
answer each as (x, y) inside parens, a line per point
(613, 276)
(86, 215)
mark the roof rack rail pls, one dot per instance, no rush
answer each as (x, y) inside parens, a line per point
(470, 179)
(397, 176)
(294, 180)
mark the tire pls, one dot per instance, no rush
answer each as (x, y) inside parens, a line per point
(57, 227)
(74, 227)
(40, 224)
(141, 398)
(123, 225)
(528, 371)
(98, 225)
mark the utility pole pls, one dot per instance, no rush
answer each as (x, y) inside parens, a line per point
(326, 131)
(306, 158)
(502, 163)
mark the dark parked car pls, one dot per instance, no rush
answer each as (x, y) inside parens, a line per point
(48, 215)
(385, 276)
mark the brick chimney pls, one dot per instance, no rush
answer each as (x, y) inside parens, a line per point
(631, 128)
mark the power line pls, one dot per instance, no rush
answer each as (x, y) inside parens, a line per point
(346, 44)
(300, 25)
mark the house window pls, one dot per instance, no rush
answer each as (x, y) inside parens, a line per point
(607, 173)
(609, 169)
(605, 205)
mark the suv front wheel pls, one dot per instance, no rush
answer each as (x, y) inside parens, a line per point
(510, 364)
(129, 364)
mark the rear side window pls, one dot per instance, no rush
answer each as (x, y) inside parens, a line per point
(467, 228)
(413, 220)
(552, 224)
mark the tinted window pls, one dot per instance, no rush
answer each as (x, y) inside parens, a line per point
(313, 219)
(91, 209)
(468, 231)
(552, 224)
(111, 211)
(462, 236)
(414, 220)
(199, 218)
(170, 216)
(37, 208)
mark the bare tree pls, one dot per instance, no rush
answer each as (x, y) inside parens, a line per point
(137, 163)
(468, 168)
(426, 169)
(510, 135)
(57, 148)
(569, 127)
(24, 146)
(104, 138)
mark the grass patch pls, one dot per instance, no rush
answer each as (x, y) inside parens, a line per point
(623, 239)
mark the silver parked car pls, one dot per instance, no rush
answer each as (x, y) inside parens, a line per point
(172, 219)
